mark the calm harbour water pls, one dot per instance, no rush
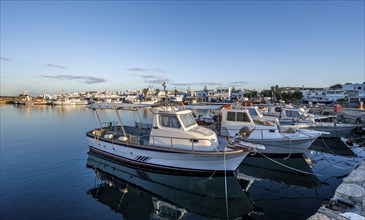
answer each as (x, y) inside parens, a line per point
(46, 173)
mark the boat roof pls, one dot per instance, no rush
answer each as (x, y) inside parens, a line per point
(120, 106)
(203, 107)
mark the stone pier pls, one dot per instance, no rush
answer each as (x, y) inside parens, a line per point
(349, 199)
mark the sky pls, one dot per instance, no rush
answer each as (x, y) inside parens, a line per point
(70, 46)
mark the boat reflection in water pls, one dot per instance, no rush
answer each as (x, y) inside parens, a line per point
(335, 146)
(142, 194)
(280, 192)
(293, 171)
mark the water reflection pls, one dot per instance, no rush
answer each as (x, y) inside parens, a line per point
(141, 194)
(289, 171)
(61, 110)
(333, 146)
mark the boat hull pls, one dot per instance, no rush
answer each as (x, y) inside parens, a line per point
(340, 130)
(167, 159)
(284, 146)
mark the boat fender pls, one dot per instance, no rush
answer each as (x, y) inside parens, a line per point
(108, 136)
(244, 132)
(349, 142)
(277, 109)
(123, 138)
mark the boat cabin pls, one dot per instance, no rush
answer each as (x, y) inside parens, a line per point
(236, 121)
(179, 127)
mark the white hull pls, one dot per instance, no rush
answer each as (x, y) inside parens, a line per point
(166, 159)
(294, 125)
(276, 142)
(284, 146)
(340, 130)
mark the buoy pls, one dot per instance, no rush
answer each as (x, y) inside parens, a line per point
(361, 105)
(349, 142)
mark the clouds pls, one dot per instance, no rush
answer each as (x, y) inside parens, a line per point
(153, 79)
(78, 78)
(55, 66)
(145, 70)
(5, 59)
(159, 79)
(238, 83)
(82, 79)
(197, 84)
(150, 78)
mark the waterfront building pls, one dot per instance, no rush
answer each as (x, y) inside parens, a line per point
(355, 92)
(220, 94)
(352, 92)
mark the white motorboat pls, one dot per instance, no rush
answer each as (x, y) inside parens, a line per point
(293, 117)
(174, 143)
(166, 196)
(331, 125)
(299, 117)
(237, 122)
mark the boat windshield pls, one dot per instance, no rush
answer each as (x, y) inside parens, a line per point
(253, 112)
(187, 120)
(293, 113)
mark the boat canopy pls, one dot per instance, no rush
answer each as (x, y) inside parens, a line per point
(203, 107)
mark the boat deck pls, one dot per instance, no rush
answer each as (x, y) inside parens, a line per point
(136, 136)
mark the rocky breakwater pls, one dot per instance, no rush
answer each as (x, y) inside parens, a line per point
(349, 199)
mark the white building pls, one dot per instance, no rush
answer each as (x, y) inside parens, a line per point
(220, 94)
(355, 92)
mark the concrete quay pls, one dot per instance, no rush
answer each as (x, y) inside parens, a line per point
(349, 199)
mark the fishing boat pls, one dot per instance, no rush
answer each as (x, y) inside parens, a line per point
(331, 125)
(301, 118)
(24, 99)
(175, 142)
(237, 122)
(146, 194)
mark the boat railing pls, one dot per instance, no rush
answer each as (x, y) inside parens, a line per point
(172, 142)
(143, 140)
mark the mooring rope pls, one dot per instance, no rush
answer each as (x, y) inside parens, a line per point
(325, 144)
(291, 168)
(121, 200)
(291, 145)
(334, 165)
(225, 183)
(211, 176)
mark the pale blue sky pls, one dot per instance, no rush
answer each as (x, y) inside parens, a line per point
(50, 46)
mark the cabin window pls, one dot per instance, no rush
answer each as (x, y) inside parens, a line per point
(242, 116)
(323, 120)
(187, 120)
(237, 116)
(169, 121)
(293, 114)
(231, 116)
